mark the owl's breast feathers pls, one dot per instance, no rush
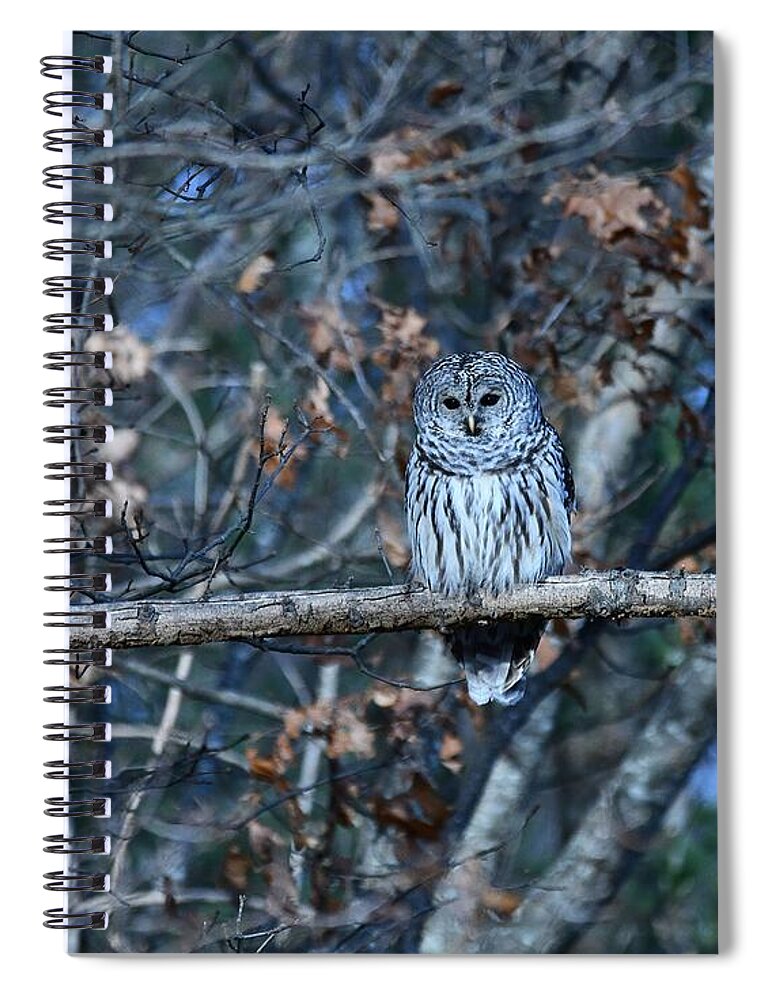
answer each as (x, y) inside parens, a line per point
(489, 530)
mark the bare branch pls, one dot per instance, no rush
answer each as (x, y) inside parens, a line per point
(615, 594)
(619, 828)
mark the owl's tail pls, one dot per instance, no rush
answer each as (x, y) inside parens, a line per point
(496, 658)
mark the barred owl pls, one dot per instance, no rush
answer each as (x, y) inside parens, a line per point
(489, 496)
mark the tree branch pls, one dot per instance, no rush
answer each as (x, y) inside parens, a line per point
(619, 828)
(615, 594)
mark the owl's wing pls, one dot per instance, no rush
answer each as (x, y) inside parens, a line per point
(568, 483)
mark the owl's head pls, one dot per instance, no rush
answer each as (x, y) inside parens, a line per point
(475, 410)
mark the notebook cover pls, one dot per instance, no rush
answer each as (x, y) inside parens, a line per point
(302, 223)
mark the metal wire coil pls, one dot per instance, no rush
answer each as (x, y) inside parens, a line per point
(79, 583)
(77, 323)
(63, 284)
(74, 882)
(58, 211)
(59, 361)
(80, 466)
(58, 99)
(100, 472)
(72, 808)
(57, 175)
(59, 249)
(57, 919)
(59, 844)
(61, 433)
(78, 507)
(69, 771)
(92, 694)
(54, 66)
(58, 139)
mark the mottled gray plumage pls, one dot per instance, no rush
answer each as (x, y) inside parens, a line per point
(489, 495)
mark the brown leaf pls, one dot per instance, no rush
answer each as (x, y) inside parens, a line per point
(269, 851)
(316, 403)
(131, 356)
(419, 812)
(382, 215)
(333, 341)
(502, 902)
(688, 633)
(276, 441)
(254, 275)
(547, 652)
(403, 353)
(344, 814)
(315, 718)
(263, 768)
(389, 159)
(565, 387)
(349, 734)
(406, 149)
(338, 722)
(263, 840)
(283, 750)
(394, 543)
(696, 210)
(443, 91)
(236, 868)
(450, 752)
(610, 205)
(384, 696)
(294, 722)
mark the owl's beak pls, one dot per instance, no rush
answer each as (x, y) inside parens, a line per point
(471, 424)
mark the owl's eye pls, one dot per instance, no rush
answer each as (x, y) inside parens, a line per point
(450, 402)
(490, 398)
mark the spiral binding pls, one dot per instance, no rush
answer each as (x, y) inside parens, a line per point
(75, 359)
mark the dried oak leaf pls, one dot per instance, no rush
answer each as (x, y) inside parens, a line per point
(264, 768)
(403, 352)
(610, 205)
(263, 840)
(394, 543)
(450, 752)
(696, 209)
(502, 902)
(277, 441)
(404, 701)
(419, 812)
(315, 718)
(443, 91)
(345, 732)
(269, 851)
(333, 341)
(131, 356)
(408, 149)
(381, 215)
(349, 734)
(315, 404)
(236, 868)
(254, 275)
